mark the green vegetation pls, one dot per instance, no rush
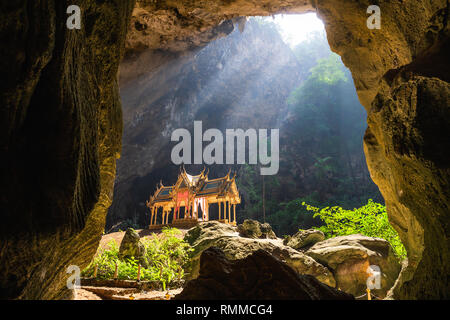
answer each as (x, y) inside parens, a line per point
(289, 215)
(370, 220)
(167, 256)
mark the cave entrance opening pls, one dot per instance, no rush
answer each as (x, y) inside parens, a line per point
(269, 72)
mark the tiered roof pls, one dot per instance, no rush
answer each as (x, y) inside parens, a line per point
(199, 185)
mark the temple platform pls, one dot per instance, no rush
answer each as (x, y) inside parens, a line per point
(185, 224)
(178, 223)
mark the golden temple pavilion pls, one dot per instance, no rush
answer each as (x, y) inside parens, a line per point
(195, 194)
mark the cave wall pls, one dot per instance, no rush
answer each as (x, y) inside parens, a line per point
(401, 76)
(61, 121)
(60, 137)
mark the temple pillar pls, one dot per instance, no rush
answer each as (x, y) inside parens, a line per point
(229, 211)
(234, 212)
(225, 210)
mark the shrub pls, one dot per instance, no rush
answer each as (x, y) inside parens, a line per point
(370, 220)
(167, 256)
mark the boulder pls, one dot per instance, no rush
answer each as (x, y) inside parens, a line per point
(349, 258)
(258, 276)
(255, 230)
(267, 231)
(304, 239)
(132, 247)
(235, 247)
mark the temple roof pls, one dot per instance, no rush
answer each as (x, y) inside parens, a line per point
(213, 186)
(199, 185)
(163, 194)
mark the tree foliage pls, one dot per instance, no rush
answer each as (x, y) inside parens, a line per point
(370, 220)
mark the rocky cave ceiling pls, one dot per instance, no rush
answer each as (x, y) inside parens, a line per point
(61, 127)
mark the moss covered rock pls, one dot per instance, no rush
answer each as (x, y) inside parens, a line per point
(255, 230)
(131, 247)
(304, 238)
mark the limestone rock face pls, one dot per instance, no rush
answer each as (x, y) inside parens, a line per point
(160, 31)
(304, 238)
(131, 247)
(234, 247)
(258, 276)
(404, 85)
(61, 129)
(349, 258)
(406, 138)
(255, 230)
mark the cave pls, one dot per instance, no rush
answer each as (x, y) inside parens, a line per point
(62, 121)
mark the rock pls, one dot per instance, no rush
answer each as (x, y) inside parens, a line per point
(203, 235)
(61, 128)
(132, 247)
(304, 238)
(416, 192)
(250, 229)
(267, 231)
(349, 258)
(258, 276)
(255, 230)
(226, 238)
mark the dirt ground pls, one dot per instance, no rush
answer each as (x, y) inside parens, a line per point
(109, 293)
(86, 295)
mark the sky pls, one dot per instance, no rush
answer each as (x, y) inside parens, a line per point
(296, 27)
